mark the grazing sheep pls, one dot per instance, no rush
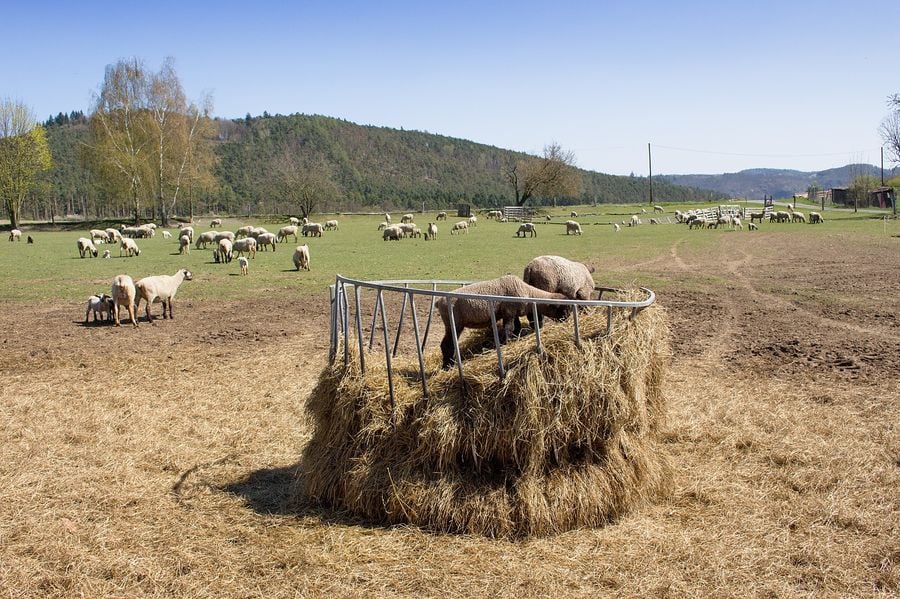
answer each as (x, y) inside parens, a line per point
(476, 314)
(494, 215)
(658, 209)
(754, 216)
(290, 230)
(301, 257)
(243, 231)
(815, 218)
(736, 223)
(225, 250)
(798, 217)
(573, 214)
(441, 215)
(216, 222)
(383, 225)
(106, 254)
(246, 245)
(167, 235)
(160, 289)
(123, 294)
(294, 220)
(473, 221)
(98, 236)
(406, 218)
(556, 274)
(244, 264)
(752, 226)
(782, 217)
(15, 235)
(635, 221)
(616, 227)
(643, 210)
(265, 240)
(130, 247)
(409, 230)
(189, 231)
(255, 232)
(573, 227)
(184, 246)
(86, 246)
(431, 232)
(101, 305)
(392, 233)
(203, 239)
(314, 229)
(331, 225)
(462, 225)
(525, 228)
(224, 235)
(387, 218)
(113, 236)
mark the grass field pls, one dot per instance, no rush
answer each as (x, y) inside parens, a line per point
(157, 461)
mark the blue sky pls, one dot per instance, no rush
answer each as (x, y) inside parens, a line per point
(714, 86)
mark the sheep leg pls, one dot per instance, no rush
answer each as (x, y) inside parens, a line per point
(131, 311)
(447, 350)
(149, 316)
(170, 309)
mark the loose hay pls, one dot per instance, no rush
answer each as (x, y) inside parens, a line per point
(568, 439)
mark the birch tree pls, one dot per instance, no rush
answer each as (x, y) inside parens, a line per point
(24, 154)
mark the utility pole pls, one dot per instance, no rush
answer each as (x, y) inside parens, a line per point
(650, 178)
(882, 166)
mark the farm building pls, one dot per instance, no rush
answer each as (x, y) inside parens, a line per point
(882, 197)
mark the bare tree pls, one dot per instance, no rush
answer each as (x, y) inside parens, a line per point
(551, 175)
(890, 128)
(303, 179)
(24, 154)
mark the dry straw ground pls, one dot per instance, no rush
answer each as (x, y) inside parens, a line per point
(154, 462)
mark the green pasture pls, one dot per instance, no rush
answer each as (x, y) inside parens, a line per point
(51, 270)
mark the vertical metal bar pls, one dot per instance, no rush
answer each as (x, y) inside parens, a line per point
(344, 323)
(451, 302)
(577, 331)
(332, 326)
(608, 319)
(374, 318)
(430, 313)
(400, 324)
(497, 341)
(359, 331)
(537, 328)
(387, 356)
(415, 319)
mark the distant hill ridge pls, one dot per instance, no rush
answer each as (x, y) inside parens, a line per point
(781, 183)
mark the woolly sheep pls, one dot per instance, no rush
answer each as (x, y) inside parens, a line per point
(658, 209)
(383, 225)
(406, 218)
(255, 232)
(331, 225)
(462, 225)
(98, 236)
(815, 218)
(387, 218)
(635, 221)
(736, 223)
(526, 228)
(113, 235)
(101, 305)
(431, 231)
(243, 231)
(106, 254)
(392, 233)
(123, 294)
(224, 235)
(556, 274)
(203, 239)
(216, 222)
(798, 217)
(189, 231)
(473, 221)
(476, 314)
(184, 246)
(573, 214)
(757, 216)
(616, 227)
(409, 229)
(294, 220)
(264, 240)
(130, 247)
(167, 235)
(548, 217)
(314, 229)
(246, 245)
(441, 215)
(15, 235)
(225, 250)
(573, 227)
(244, 264)
(160, 289)
(301, 257)
(86, 246)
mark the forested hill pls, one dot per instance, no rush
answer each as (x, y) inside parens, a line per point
(375, 167)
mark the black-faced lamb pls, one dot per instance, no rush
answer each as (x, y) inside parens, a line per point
(160, 289)
(129, 246)
(476, 314)
(244, 264)
(123, 294)
(101, 305)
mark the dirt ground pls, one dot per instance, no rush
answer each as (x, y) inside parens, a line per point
(157, 461)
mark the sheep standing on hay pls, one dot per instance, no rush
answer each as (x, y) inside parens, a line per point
(101, 305)
(556, 274)
(86, 246)
(160, 288)
(301, 257)
(476, 314)
(123, 294)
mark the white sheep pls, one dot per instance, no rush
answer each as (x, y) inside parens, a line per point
(736, 223)
(113, 236)
(123, 294)
(189, 231)
(264, 240)
(473, 221)
(243, 231)
(106, 254)
(331, 225)
(573, 227)
(441, 215)
(86, 246)
(573, 214)
(392, 233)
(244, 264)
(216, 222)
(130, 247)
(184, 246)
(160, 289)
(798, 217)
(294, 220)
(203, 239)
(751, 226)
(255, 232)
(246, 245)
(475, 313)
(167, 235)
(382, 226)
(815, 218)
(526, 228)
(314, 229)
(224, 235)
(635, 221)
(431, 232)
(15, 235)
(560, 275)
(301, 257)
(658, 209)
(101, 305)
(462, 225)
(616, 227)
(98, 236)
(406, 218)
(225, 250)
(387, 218)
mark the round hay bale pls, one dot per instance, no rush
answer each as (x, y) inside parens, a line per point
(568, 439)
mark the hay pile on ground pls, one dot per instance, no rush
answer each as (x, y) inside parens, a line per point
(568, 439)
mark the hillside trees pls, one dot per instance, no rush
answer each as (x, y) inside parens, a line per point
(147, 139)
(553, 174)
(890, 128)
(24, 155)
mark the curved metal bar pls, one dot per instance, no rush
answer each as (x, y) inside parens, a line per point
(415, 320)
(497, 341)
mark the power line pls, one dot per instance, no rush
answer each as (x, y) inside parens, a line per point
(718, 153)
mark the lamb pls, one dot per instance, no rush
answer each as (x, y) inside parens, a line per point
(86, 246)
(266, 239)
(248, 245)
(392, 233)
(526, 228)
(106, 254)
(736, 223)
(573, 214)
(462, 225)
(123, 294)
(184, 246)
(476, 314)
(206, 238)
(160, 288)
(331, 225)
(815, 218)
(130, 247)
(167, 235)
(406, 218)
(441, 215)
(573, 227)
(556, 274)
(244, 264)
(431, 231)
(314, 229)
(387, 218)
(15, 235)
(101, 305)
(473, 221)
(216, 222)
(301, 257)
(226, 248)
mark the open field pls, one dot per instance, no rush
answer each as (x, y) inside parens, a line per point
(157, 461)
